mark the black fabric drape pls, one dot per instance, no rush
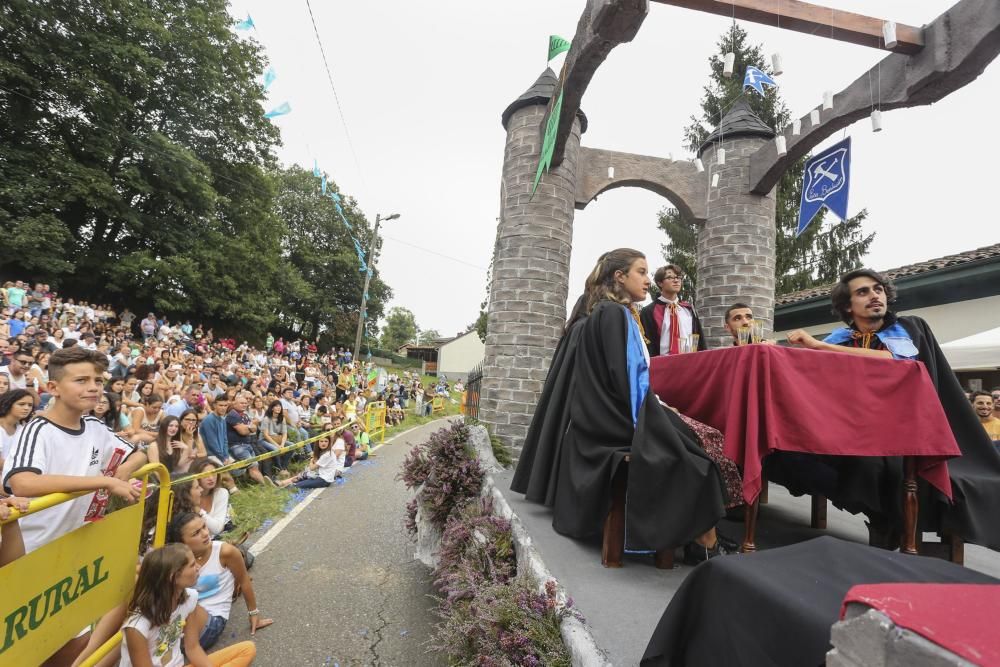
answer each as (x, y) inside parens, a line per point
(775, 607)
(581, 431)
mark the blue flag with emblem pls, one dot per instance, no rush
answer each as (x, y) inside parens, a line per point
(756, 79)
(245, 24)
(826, 183)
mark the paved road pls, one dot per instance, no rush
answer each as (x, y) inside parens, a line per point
(340, 580)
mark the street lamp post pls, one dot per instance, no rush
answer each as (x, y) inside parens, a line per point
(368, 278)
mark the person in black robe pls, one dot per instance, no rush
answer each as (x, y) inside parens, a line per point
(596, 408)
(872, 484)
(668, 279)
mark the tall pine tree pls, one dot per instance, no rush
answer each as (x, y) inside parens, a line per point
(817, 257)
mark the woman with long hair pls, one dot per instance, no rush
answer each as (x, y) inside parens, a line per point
(16, 407)
(223, 576)
(162, 614)
(144, 422)
(107, 411)
(214, 502)
(170, 449)
(596, 408)
(189, 434)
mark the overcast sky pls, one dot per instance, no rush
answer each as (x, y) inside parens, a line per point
(422, 86)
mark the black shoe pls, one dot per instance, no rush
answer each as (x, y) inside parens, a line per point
(730, 545)
(695, 553)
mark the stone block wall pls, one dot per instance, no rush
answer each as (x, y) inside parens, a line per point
(736, 245)
(527, 309)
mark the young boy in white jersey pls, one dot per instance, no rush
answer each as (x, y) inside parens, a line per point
(67, 450)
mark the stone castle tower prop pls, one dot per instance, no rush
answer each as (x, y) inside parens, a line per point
(534, 241)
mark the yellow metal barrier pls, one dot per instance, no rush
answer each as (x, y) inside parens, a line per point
(99, 562)
(52, 592)
(437, 405)
(375, 420)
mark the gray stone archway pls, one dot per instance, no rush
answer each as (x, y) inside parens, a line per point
(534, 241)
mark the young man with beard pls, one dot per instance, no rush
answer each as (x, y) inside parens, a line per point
(872, 484)
(982, 403)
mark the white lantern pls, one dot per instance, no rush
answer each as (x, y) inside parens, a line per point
(876, 120)
(889, 34)
(728, 63)
(796, 127)
(779, 143)
(721, 156)
(715, 180)
(776, 64)
(699, 166)
(814, 117)
(828, 100)
(611, 172)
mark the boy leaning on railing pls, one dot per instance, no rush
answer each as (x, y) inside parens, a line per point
(66, 451)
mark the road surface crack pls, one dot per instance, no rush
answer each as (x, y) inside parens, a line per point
(382, 622)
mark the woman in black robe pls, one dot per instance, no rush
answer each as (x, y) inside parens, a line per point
(596, 407)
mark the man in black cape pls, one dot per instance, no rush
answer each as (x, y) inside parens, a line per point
(861, 299)
(584, 426)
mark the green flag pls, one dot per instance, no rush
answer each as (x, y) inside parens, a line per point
(557, 45)
(548, 142)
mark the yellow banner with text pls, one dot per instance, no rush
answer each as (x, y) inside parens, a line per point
(54, 591)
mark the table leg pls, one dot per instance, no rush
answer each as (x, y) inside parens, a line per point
(909, 543)
(750, 525)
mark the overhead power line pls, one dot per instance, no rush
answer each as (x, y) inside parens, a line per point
(336, 98)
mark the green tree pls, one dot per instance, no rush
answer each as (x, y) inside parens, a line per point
(400, 329)
(135, 157)
(428, 336)
(817, 257)
(320, 289)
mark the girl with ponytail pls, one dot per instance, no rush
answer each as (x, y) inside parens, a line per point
(596, 407)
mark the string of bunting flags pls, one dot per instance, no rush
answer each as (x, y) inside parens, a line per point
(270, 75)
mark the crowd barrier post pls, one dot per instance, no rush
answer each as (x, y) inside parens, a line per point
(69, 583)
(437, 405)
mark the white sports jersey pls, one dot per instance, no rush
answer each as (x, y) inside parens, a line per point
(48, 449)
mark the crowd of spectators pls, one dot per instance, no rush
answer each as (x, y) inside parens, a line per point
(100, 392)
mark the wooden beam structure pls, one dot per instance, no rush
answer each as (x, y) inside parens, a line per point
(810, 19)
(960, 44)
(603, 25)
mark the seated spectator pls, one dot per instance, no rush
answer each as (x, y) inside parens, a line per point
(16, 407)
(17, 370)
(107, 411)
(189, 434)
(274, 431)
(324, 468)
(170, 450)
(164, 611)
(144, 422)
(240, 434)
(223, 575)
(214, 505)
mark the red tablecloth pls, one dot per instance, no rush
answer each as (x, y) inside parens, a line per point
(766, 397)
(959, 617)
